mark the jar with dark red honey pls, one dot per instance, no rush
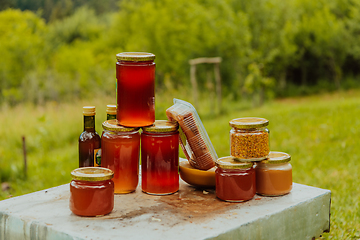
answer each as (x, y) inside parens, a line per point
(120, 152)
(91, 191)
(135, 74)
(160, 158)
(235, 181)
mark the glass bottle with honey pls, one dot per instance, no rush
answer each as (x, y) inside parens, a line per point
(89, 140)
(110, 112)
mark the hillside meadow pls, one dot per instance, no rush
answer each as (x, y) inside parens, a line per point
(321, 133)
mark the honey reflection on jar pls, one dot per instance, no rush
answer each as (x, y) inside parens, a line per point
(274, 175)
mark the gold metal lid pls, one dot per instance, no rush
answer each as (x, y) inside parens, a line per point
(114, 126)
(162, 126)
(277, 157)
(111, 109)
(249, 122)
(92, 174)
(89, 110)
(135, 56)
(231, 162)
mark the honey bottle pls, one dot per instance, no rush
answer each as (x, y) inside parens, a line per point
(89, 140)
(110, 112)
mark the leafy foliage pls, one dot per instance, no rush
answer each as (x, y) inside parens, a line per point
(300, 45)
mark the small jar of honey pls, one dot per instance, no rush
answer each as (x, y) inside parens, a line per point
(91, 191)
(160, 158)
(249, 138)
(235, 180)
(274, 175)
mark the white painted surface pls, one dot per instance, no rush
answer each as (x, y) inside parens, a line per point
(189, 214)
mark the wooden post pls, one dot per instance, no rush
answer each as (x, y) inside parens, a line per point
(210, 87)
(218, 85)
(216, 61)
(194, 84)
(24, 153)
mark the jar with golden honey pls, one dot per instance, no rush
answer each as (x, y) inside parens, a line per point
(249, 138)
(91, 191)
(120, 152)
(235, 180)
(274, 175)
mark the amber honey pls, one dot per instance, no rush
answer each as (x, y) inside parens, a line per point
(120, 153)
(91, 191)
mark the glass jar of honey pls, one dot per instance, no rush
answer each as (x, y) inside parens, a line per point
(120, 151)
(234, 180)
(249, 138)
(135, 74)
(91, 191)
(160, 158)
(274, 175)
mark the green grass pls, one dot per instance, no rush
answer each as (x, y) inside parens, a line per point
(321, 133)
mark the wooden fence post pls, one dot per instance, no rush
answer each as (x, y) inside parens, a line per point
(216, 61)
(24, 154)
(194, 84)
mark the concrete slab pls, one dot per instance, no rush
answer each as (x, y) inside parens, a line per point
(189, 214)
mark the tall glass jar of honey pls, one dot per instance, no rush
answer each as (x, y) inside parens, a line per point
(160, 158)
(135, 74)
(120, 152)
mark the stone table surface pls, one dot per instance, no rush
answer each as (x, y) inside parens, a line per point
(188, 214)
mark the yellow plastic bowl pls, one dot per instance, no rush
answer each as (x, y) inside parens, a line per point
(196, 177)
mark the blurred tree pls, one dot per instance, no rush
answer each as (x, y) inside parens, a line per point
(258, 86)
(52, 10)
(322, 41)
(22, 42)
(182, 31)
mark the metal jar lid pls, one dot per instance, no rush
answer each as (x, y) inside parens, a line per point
(277, 157)
(162, 126)
(92, 174)
(135, 56)
(89, 110)
(114, 126)
(249, 122)
(231, 162)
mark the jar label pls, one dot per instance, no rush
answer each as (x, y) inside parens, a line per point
(97, 157)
